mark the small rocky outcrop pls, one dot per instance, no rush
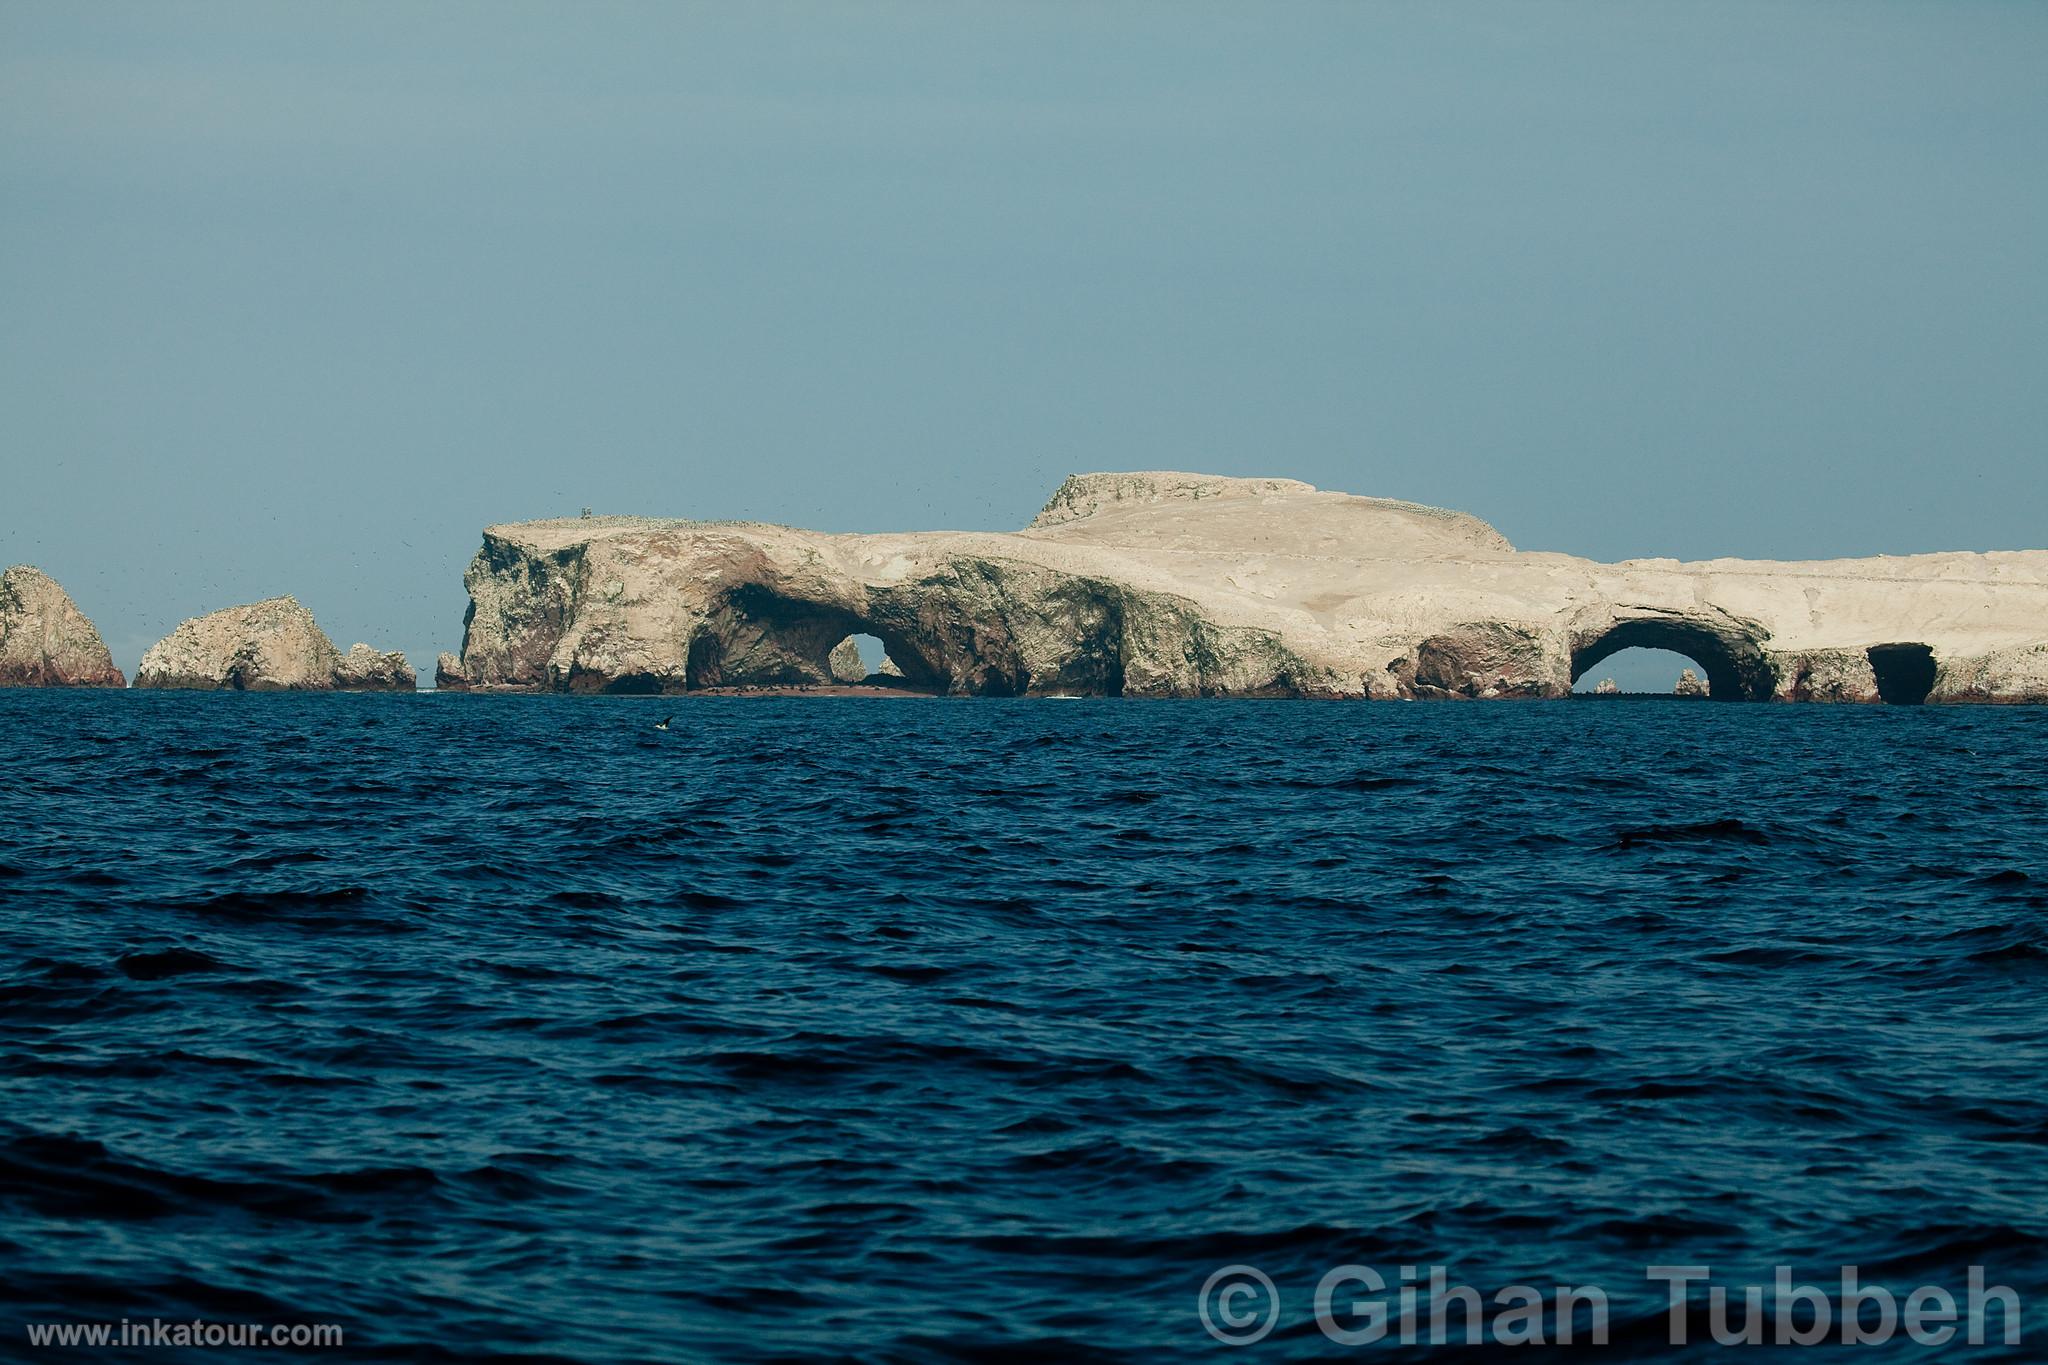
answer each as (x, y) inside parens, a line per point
(45, 640)
(364, 669)
(844, 662)
(1607, 687)
(268, 646)
(449, 675)
(1690, 684)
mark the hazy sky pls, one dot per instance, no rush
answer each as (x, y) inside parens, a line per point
(300, 297)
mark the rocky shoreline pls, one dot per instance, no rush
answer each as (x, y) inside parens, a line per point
(1185, 585)
(1147, 584)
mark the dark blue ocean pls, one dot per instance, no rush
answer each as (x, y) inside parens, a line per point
(513, 1028)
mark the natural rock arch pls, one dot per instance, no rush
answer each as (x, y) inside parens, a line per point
(1736, 666)
(757, 636)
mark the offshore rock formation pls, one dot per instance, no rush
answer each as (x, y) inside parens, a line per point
(364, 669)
(1690, 684)
(844, 662)
(1164, 584)
(268, 646)
(45, 640)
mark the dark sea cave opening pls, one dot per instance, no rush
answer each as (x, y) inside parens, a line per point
(1905, 673)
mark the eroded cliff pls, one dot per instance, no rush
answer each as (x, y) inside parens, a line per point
(1170, 584)
(45, 640)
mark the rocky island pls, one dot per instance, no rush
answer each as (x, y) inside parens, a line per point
(268, 646)
(1183, 585)
(45, 640)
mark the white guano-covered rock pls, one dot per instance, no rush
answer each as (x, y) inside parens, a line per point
(45, 640)
(1171, 584)
(268, 646)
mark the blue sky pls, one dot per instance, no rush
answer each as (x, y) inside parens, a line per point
(300, 297)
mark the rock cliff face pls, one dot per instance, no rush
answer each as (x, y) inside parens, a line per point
(1166, 584)
(45, 640)
(269, 646)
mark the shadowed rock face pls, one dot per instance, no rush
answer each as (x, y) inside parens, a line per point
(268, 646)
(1166, 584)
(45, 640)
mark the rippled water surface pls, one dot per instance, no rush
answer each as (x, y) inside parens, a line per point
(509, 1025)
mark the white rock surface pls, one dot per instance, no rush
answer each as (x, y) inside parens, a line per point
(45, 640)
(1168, 584)
(844, 663)
(268, 646)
